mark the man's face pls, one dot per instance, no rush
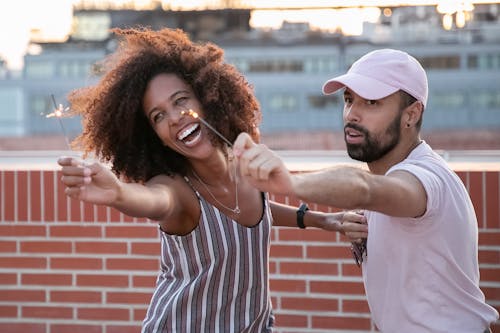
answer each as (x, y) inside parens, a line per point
(372, 127)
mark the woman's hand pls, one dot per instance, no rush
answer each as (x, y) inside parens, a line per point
(353, 224)
(94, 183)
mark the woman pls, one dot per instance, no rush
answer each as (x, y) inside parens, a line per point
(164, 115)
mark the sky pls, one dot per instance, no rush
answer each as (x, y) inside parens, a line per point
(52, 18)
(18, 17)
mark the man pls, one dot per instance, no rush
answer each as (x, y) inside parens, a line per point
(421, 268)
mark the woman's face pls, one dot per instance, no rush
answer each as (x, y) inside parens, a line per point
(167, 100)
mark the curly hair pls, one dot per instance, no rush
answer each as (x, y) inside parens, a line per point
(115, 127)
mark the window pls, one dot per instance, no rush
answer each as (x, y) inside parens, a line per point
(283, 102)
(486, 99)
(324, 102)
(449, 100)
(40, 69)
(275, 65)
(441, 62)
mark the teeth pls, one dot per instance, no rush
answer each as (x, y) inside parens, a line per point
(187, 131)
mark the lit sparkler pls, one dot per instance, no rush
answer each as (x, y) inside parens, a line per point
(59, 113)
(195, 115)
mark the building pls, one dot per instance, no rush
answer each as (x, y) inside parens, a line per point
(287, 67)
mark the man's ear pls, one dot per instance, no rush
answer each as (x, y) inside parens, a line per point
(413, 113)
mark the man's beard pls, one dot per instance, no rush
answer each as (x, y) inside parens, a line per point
(372, 149)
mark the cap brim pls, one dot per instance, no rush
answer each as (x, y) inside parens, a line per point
(363, 86)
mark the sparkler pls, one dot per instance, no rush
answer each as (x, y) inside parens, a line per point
(195, 115)
(58, 113)
(233, 176)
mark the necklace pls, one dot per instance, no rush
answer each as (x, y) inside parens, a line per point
(236, 209)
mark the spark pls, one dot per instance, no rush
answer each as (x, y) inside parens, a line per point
(195, 115)
(58, 113)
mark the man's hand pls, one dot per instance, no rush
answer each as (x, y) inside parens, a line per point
(263, 168)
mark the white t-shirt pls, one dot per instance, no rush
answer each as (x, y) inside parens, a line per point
(421, 274)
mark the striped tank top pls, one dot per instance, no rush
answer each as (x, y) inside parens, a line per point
(214, 279)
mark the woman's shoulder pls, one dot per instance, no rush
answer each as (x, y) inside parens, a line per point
(166, 180)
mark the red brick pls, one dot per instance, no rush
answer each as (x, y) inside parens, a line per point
(493, 200)
(126, 218)
(114, 215)
(22, 230)
(287, 251)
(337, 287)
(101, 247)
(49, 207)
(464, 177)
(489, 256)
(75, 212)
(23, 262)
(76, 263)
(75, 296)
(355, 305)
(101, 280)
(337, 322)
(19, 295)
(128, 297)
(9, 204)
(22, 327)
(290, 320)
(328, 252)
(491, 293)
(88, 212)
(308, 235)
(62, 200)
(148, 281)
(490, 274)
(107, 314)
(8, 311)
(73, 231)
(147, 248)
(46, 279)
(8, 246)
(141, 231)
(22, 196)
(309, 268)
(133, 264)
(489, 238)
(102, 214)
(52, 312)
(351, 269)
(273, 267)
(309, 303)
(75, 328)
(8, 278)
(123, 329)
(139, 314)
(284, 285)
(46, 247)
(36, 196)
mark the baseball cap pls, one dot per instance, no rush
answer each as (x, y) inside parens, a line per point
(381, 73)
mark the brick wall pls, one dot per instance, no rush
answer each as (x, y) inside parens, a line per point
(72, 267)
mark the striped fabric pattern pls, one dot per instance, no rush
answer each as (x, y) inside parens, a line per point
(214, 279)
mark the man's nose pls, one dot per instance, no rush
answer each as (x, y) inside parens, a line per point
(350, 113)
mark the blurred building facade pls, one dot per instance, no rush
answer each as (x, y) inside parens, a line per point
(287, 67)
